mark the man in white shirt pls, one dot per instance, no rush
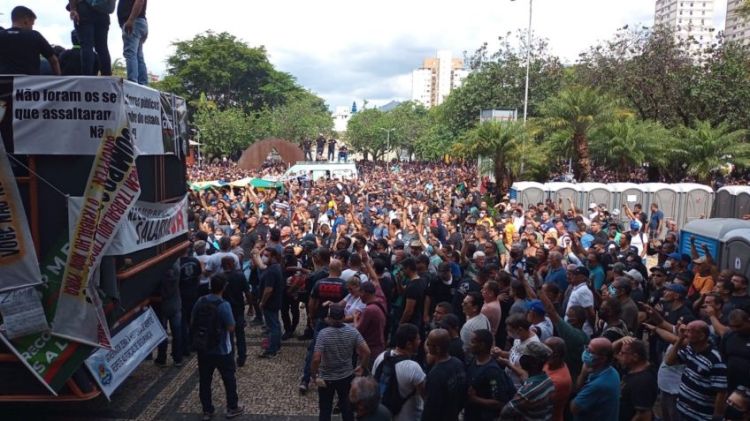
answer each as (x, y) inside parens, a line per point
(581, 295)
(409, 374)
(475, 320)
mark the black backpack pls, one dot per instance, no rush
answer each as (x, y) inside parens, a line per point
(206, 326)
(385, 375)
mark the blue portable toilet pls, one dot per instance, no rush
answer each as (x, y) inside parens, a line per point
(736, 255)
(711, 232)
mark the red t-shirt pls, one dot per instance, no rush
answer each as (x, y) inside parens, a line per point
(372, 327)
(563, 387)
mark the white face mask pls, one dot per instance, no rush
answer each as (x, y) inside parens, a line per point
(668, 264)
(265, 260)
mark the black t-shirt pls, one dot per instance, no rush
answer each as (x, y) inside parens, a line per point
(637, 392)
(328, 289)
(125, 6)
(415, 291)
(456, 348)
(735, 349)
(490, 382)
(320, 143)
(20, 50)
(331, 144)
(272, 278)
(741, 302)
(439, 291)
(446, 386)
(464, 287)
(235, 291)
(190, 271)
(307, 144)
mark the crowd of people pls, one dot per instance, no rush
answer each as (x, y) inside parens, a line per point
(424, 297)
(24, 51)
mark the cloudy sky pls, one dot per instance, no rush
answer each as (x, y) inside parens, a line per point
(349, 50)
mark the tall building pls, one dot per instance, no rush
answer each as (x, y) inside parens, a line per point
(737, 28)
(688, 19)
(437, 77)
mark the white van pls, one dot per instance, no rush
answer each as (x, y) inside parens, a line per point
(317, 170)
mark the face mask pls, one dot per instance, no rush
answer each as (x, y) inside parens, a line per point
(668, 264)
(271, 225)
(587, 357)
(265, 260)
(612, 291)
(218, 237)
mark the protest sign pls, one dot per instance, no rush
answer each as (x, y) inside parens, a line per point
(111, 191)
(147, 225)
(22, 312)
(130, 346)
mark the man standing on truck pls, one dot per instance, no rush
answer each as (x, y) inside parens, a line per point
(21, 46)
(331, 149)
(320, 145)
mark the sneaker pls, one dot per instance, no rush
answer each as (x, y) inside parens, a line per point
(207, 416)
(241, 362)
(306, 336)
(336, 409)
(267, 354)
(236, 412)
(303, 386)
(287, 335)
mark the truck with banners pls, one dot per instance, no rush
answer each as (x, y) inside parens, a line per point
(93, 211)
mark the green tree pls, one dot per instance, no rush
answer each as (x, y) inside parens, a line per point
(498, 82)
(118, 68)
(570, 117)
(223, 132)
(503, 142)
(410, 121)
(436, 141)
(629, 143)
(704, 148)
(229, 72)
(366, 133)
(304, 115)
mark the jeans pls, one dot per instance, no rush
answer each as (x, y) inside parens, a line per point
(274, 330)
(669, 407)
(92, 30)
(331, 155)
(207, 363)
(325, 399)
(132, 50)
(175, 323)
(188, 301)
(238, 337)
(290, 306)
(320, 325)
(308, 155)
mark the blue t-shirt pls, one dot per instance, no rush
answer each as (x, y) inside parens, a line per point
(599, 399)
(559, 277)
(225, 315)
(597, 276)
(656, 218)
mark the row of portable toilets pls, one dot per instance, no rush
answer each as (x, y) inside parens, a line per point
(712, 218)
(682, 202)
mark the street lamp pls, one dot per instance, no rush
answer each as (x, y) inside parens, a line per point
(197, 132)
(528, 63)
(388, 137)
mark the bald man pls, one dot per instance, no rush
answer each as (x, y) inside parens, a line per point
(703, 389)
(558, 372)
(446, 382)
(599, 384)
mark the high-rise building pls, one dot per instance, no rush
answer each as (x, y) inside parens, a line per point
(737, 28)
(437, 77)
(688, 19)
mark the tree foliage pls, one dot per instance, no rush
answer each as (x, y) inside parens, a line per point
(703, 148)
(228, 72)
(367, 132)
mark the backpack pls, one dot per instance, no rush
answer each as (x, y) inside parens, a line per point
(206, 326)
(385, 375)
(103, 6)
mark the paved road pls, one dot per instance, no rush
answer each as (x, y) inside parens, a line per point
(268, 388)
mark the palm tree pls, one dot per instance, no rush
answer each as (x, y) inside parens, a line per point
(504, 142)
(628, 143)
(570, 116)
(703, 148)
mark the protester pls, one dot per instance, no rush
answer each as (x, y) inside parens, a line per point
(92, 26)
(21, 46)
(446, 381)
(409, 375)
(131, 15)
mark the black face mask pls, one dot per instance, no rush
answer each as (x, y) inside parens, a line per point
(732, 413)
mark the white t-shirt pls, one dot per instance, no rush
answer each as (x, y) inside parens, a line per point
(515, 357)
(544, 329)
(204, 261)
(581, 296)
(353, 305)
(409, 374)
(639, 243)
(214, 261)
(480, 321)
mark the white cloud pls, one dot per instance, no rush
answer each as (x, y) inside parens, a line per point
(346, 50)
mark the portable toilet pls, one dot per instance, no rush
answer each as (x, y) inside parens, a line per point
(742, 202)
(711, 232)
(731, 202)
(695, 202)
(598, 193)
(736, 255)
(627, 193)
(666, 196)
(528, 192)
(563, 191)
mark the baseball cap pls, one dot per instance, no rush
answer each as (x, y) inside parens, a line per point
(677, 288)
(635, 225)
(478, 254)
(580, 270)
(368, 288)
(592, 205)
(635, 274)
(536, 306)
(619, 267)
(700, 260)
(415, 244)
(398, 244)
(444, 267)
(658, 269)
(675, 256)
(536, 350)
(571, 267)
